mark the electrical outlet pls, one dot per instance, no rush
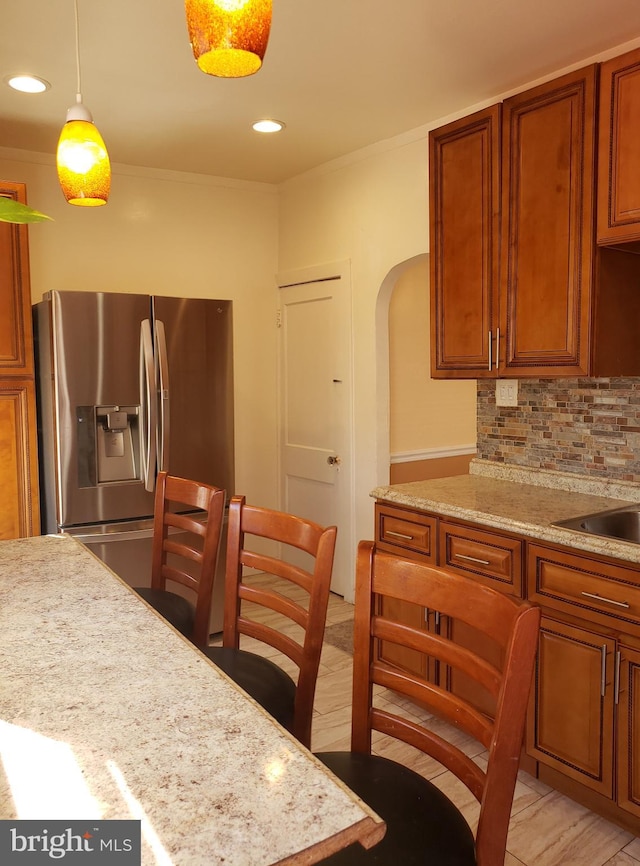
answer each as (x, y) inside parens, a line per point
(506, 392)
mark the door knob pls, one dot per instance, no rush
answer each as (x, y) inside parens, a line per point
(334, 461)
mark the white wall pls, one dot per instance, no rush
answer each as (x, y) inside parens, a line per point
(375, 213)
(174, 234)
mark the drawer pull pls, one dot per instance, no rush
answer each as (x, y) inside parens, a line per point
(471, 559)
(399, 535)
(594, 595)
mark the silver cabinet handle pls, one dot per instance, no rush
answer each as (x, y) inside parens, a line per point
(616, 681)
(471, 559)
(603, 669)
(597, 597)
(399, 535)
(497, 348)
(490, 350)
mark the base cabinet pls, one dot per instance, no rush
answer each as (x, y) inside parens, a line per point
(410, 535)
(488, 557)
(583, 725)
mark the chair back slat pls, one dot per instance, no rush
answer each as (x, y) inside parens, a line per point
(448, 653)
(277, 567)
(275, 602)
(448, 706)
(510, 623)
(277, 639)
(482, 604)
(429, 742)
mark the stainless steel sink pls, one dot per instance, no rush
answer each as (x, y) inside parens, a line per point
(622, 523)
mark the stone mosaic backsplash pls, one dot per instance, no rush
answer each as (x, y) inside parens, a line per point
(586, 426)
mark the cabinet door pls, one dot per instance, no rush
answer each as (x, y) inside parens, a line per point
(401, 657)
(464, 195)
(547, 227)
(16, 342)
(629, 731)
(19, 503)
(456, 681)
(570, 724)
(618, 162)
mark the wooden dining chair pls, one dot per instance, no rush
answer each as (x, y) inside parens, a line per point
(250, 608)
(423, 825)
(185, 551)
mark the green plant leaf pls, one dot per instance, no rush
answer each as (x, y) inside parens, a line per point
(15, 212)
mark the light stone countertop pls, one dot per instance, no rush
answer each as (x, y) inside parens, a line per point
(524, 501)
(107, 712)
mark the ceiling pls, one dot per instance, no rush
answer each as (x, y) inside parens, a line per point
(342, 74)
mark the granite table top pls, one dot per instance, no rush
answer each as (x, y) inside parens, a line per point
(106, 712)
(524, 501)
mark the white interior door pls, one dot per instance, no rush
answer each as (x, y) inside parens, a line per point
(316, 407)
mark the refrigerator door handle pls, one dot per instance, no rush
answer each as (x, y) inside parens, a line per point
(163, 383)
(148, 400)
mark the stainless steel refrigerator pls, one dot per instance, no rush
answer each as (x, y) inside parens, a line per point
(129, 385)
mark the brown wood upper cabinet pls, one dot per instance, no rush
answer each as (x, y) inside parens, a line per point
(518, 287)
(619, 150)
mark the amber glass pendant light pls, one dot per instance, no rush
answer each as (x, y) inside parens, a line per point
(84, 170)
(229, 37)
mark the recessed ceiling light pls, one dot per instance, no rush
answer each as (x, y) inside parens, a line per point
(268, 125)
(27, 83)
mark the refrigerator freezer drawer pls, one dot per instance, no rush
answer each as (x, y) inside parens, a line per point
(126, 549)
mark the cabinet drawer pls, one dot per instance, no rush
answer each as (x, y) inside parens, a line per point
(489, 557)
(406, 533)
(580, 586)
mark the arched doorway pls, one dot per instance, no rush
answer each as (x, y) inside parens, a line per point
(431, 424)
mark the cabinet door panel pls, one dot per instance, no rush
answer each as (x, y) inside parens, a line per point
(464, 205)
(456, 681)
(618, 164)
(547, 213)
(629, 731)
(570, 725)
(16, 342)
(407, 659)
(19, 503)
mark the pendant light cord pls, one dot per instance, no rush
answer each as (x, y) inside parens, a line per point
(78, 88)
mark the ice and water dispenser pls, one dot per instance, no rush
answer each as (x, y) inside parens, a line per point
(109, 444)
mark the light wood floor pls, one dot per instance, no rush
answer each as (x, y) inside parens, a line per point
(547, 829)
